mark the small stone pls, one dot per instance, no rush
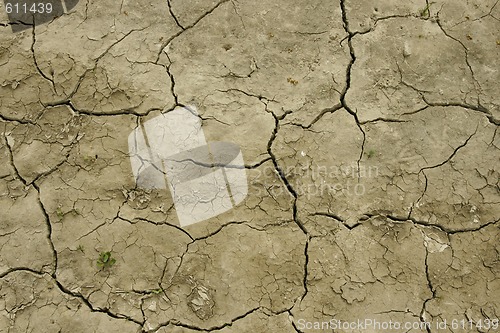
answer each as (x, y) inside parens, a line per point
(406, 50)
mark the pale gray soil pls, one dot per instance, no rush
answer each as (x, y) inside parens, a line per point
(370, 135)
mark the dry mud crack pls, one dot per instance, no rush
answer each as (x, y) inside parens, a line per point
(369, 133)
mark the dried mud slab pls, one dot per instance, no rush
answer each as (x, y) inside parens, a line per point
(23, 237)
(465, 271)
(21, 85)
(32, 303)
(103, 55)
(287, 55)
(474, 27)
(354, 274)
(395, 74)
(220, 277)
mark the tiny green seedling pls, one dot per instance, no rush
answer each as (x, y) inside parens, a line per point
(105, 260)
(426, 11)
(89, 159)
(370, 153)
(80, 248)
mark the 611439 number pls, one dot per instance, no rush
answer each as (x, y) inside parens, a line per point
(36, 8)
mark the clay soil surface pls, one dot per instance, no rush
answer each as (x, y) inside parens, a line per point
(369, 131)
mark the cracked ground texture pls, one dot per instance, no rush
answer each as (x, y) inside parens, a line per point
(370, 135)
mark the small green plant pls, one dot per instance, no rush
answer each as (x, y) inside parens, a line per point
(80, 248)
(426, 11)
(105, 260)
(89, 159)
(370, 153)
(156, 291)
(59, 212)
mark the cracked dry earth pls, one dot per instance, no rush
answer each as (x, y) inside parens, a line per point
(370, 135)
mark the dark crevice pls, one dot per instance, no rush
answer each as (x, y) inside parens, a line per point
(280, 172)
(293, 322)
(49, 229)
(178, 323)
(426, 185)
(415, 111)
(447, 230)
(292, 191)
(160, 224)
(306, 272)
(387, 120)
(249, 94)
(431, 288)
(384, 18)
(339, 219)
(51, 170)
(257, 164)
(18, 22)
(478, 108)
(215, 232)
(174, 16)
(321, 114)
(122, 112)
(350, 34)
(10, 119)
(216, 165)
(119, 40)
(21, 269)
(455, 151)
(172, 79)
(91, 231)
(36, 63)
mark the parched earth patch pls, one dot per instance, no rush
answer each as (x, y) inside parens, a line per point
(369, 137)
